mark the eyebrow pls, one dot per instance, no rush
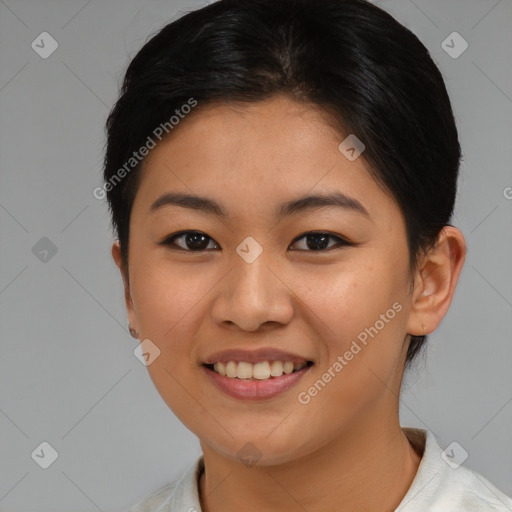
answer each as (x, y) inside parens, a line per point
(294, 206)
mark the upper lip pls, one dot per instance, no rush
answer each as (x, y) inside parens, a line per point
(254, 356)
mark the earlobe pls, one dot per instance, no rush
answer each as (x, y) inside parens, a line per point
(436, 281)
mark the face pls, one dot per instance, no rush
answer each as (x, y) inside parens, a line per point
(257, 278)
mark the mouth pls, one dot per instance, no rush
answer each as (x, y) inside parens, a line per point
(259, 381)
(261, 371)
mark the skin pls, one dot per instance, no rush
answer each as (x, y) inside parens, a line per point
(345, 446)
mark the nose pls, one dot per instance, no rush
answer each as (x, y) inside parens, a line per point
(253, 296)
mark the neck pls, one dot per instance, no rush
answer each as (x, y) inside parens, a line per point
(369, 467)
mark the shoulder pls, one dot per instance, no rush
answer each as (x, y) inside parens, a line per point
(441, 484)
(156, 500)
(470, 491)
(178, 495)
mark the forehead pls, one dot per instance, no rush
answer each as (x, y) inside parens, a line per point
(254, 155)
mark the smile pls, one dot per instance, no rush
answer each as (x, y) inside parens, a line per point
(262, 380)
(261, 371)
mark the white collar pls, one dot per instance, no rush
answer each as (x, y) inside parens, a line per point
(437, 486)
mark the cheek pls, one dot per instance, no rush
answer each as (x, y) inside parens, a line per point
(167, 299)
(355, 296)
(363, 341)
(364, 305)
(169, 304)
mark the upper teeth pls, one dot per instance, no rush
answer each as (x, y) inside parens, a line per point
(261, 371)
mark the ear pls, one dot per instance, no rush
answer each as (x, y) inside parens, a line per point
(435, 281)
(116, 254)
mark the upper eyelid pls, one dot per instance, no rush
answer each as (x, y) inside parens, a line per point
(167, 240)
(342, 241)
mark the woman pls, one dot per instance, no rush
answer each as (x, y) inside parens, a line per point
(281, 177)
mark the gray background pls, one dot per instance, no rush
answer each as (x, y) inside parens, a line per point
(68, 375)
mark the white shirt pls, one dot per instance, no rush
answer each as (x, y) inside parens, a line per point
(439, 486)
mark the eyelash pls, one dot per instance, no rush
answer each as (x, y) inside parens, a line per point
(169, 241)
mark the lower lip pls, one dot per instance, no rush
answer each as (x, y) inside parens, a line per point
(255, 389)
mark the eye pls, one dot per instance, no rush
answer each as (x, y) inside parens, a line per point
(196, 241)
(193, 241)
(318, 240)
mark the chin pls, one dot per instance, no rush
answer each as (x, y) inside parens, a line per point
(261, 449)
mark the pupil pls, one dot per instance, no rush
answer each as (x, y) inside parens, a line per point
(319, 239)
(196, 241)
(315, 241)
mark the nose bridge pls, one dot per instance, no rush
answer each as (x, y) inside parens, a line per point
(252, 279)
(253, 295)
